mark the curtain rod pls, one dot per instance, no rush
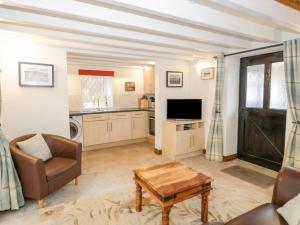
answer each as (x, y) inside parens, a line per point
(256, 49)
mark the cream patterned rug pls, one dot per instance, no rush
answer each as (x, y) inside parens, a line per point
(119, 209)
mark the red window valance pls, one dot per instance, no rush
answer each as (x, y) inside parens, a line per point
(96, 73)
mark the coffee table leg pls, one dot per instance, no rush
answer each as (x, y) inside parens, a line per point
(165, 215)
(204, 207)
(138, 198)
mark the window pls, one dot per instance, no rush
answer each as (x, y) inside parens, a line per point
(255, 86)
(278, 98)
(96, 92)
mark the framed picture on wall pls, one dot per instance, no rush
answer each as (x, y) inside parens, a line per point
(36, 75)
(174, 79)
(208, 73)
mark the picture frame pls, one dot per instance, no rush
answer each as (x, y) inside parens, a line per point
(36, 75)
(174, 79)
(208, 73)
(129, 86)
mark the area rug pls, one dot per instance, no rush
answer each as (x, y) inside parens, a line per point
(251, 176)
(119, 209)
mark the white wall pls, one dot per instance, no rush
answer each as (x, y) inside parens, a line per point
(193, 87)
(121, 98)
(28, 109)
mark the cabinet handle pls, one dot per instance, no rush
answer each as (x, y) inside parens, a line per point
(107, 127)
(111, 126)
(133, 124)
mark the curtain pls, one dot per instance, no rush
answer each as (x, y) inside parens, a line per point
(11, 196)
(292, 76)
(214, 148)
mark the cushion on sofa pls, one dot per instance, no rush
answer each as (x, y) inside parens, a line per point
(291, 211)
(36, 146)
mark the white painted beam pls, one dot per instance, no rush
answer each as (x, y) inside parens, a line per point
(100, 31)
(104, 51)
(85, 39)
(190, 12)
(119, 19)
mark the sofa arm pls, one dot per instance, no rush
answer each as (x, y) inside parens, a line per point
(63, 147)
(31, 171)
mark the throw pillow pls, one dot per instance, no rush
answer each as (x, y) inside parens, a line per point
(36, 146)
(291, 211)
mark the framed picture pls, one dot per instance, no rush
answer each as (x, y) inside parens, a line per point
(36, 75)
(208, 73)
(129, 86)
(174, 79)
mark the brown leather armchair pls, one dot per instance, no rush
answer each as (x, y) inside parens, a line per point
(287, 186)
(39, 178)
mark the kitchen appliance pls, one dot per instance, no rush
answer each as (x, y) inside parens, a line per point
(184, 108)
(76, 130)
(152, 123)
(151, 100)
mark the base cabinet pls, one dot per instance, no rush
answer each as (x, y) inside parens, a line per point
(139, 127)
(114, 127)
(96, 132)
(120, 129)
(183, 138)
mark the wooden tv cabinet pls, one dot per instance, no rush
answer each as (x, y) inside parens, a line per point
(183, 138)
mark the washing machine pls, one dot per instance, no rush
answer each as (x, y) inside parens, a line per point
(76, 129)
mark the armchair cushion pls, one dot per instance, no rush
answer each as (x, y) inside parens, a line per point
(57, 166)
(291, 211)
(36, 146)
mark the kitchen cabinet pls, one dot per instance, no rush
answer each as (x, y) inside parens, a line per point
(139, 127)
(149, 80)
(107, 128)
(120, 129)
(96, 132)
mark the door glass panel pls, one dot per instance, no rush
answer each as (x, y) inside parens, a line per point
(255, 86)
(278, 96)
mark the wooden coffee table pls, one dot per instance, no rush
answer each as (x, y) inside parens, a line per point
(171, 183)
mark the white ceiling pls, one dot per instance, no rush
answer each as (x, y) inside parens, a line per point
(141, 31)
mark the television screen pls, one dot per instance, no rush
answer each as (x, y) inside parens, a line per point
(184, 108)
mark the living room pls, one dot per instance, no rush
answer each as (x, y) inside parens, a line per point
(195, 100)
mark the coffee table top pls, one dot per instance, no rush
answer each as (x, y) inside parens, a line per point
(171, 178)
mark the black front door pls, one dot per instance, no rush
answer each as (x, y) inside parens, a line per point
(262, 110)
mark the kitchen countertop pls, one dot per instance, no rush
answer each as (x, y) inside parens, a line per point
(86, 112)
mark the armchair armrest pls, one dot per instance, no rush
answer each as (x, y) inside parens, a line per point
(63, 147)
(31, 171)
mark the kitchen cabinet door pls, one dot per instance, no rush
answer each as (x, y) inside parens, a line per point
(95, 132)
(140, 127)
(120, 129)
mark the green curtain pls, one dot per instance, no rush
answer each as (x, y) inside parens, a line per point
(11, 197)
(214, 148)
(292, 76)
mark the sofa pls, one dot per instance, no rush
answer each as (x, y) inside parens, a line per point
(39, 178)
(287, 186)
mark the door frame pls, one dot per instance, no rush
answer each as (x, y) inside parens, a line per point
(268, 59)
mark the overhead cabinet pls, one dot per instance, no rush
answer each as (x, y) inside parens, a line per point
(113, 127)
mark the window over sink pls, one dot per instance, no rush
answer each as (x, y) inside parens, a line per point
(96, 92)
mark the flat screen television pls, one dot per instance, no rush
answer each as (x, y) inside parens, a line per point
(184, 108)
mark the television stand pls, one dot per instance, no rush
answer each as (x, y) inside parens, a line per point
(183, 138)
(183, 119)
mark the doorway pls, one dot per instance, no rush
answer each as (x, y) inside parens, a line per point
(262, 110)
